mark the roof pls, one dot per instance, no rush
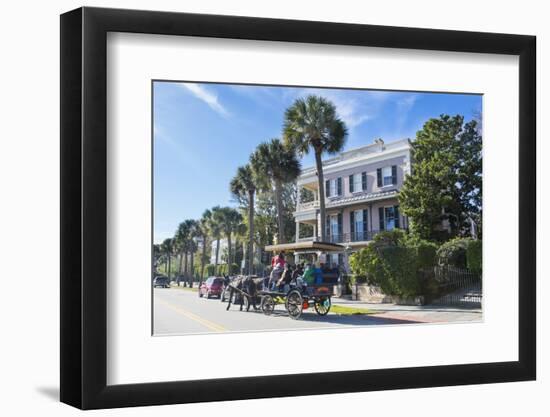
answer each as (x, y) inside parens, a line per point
(305, 246)
(363, 153)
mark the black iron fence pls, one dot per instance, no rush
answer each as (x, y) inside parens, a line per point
(451, 285)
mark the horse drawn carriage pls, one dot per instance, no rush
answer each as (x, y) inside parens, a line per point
(298, 295)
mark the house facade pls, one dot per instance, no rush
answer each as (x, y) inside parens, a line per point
(361, 190)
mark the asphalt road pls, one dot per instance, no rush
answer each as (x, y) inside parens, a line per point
(178, 311)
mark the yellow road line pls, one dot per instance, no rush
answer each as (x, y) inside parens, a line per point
(207, 323)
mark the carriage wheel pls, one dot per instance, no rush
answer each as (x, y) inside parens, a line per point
(322, 306)
(294, 304)
(267, 305)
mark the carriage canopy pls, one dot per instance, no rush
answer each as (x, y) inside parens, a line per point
(306, 247)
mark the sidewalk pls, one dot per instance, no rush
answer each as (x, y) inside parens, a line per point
(420, 314)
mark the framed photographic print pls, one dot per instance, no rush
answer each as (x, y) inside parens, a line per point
(257, 208)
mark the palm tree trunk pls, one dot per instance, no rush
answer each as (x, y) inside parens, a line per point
(250, 231)
(185, 268)
(203, 259)
(321, 180)
(279, 204)
(191, 266)
(217, 256)
(228, 253)
(168, 273)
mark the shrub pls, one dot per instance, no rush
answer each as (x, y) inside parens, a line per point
(453, 252)
(474, 256)
(394, 261)
(391, 267)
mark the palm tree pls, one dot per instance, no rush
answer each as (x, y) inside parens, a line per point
(180, 245)
(230, 220)
(312, 123)
(244, 184)
(276, 165)
(194, 232)
(166, 249)
(203, 234)
(214, 228)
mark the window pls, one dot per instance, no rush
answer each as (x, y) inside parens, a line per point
(389, 217)
(334, 231)
(357, 182)
(389, 214)
(333, 187)
(387, 178)
(358, 225)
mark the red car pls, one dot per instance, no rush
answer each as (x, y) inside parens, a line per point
(212, 286)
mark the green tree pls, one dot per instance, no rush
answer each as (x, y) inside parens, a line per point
(312, 124)
(445, 183)
(230, 219)
(275, 166)
(244, 184)
(166, 249)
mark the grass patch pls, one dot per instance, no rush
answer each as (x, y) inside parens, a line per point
(349, 311)
(181, 287)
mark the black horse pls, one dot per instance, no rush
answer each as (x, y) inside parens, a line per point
(245, 287)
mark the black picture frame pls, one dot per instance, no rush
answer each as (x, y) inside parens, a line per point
(84, 207)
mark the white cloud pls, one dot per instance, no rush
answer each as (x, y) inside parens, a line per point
(207, 96)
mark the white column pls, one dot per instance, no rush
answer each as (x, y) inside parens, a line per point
(297, 231)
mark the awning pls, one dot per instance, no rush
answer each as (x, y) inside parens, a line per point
(307, 246)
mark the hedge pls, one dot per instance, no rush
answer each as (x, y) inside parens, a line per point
(474, 256)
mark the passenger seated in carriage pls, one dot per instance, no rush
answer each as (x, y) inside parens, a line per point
(308, 275)
(285, 279)
(278, 264)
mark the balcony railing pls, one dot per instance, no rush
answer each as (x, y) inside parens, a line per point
(307, 206)
(346, 237)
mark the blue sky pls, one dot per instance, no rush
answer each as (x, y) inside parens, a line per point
(203, 132)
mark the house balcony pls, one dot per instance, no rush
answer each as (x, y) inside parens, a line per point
(340, 201)
(351, 239)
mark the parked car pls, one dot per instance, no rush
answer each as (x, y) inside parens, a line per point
(161, 281)
(212, 286)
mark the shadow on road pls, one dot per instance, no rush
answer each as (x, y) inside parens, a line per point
(346, 320)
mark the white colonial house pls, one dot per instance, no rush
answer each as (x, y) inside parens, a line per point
(361, 189)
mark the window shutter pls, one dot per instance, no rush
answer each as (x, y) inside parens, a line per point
(394, 174)
(396, 214)
(364, 181)
(381, 217)
(327, 188)
(365, 228)
(327, 225)
(339, 186)
(339, 238)
(351, 183)
(352, 224)
(379, 177)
